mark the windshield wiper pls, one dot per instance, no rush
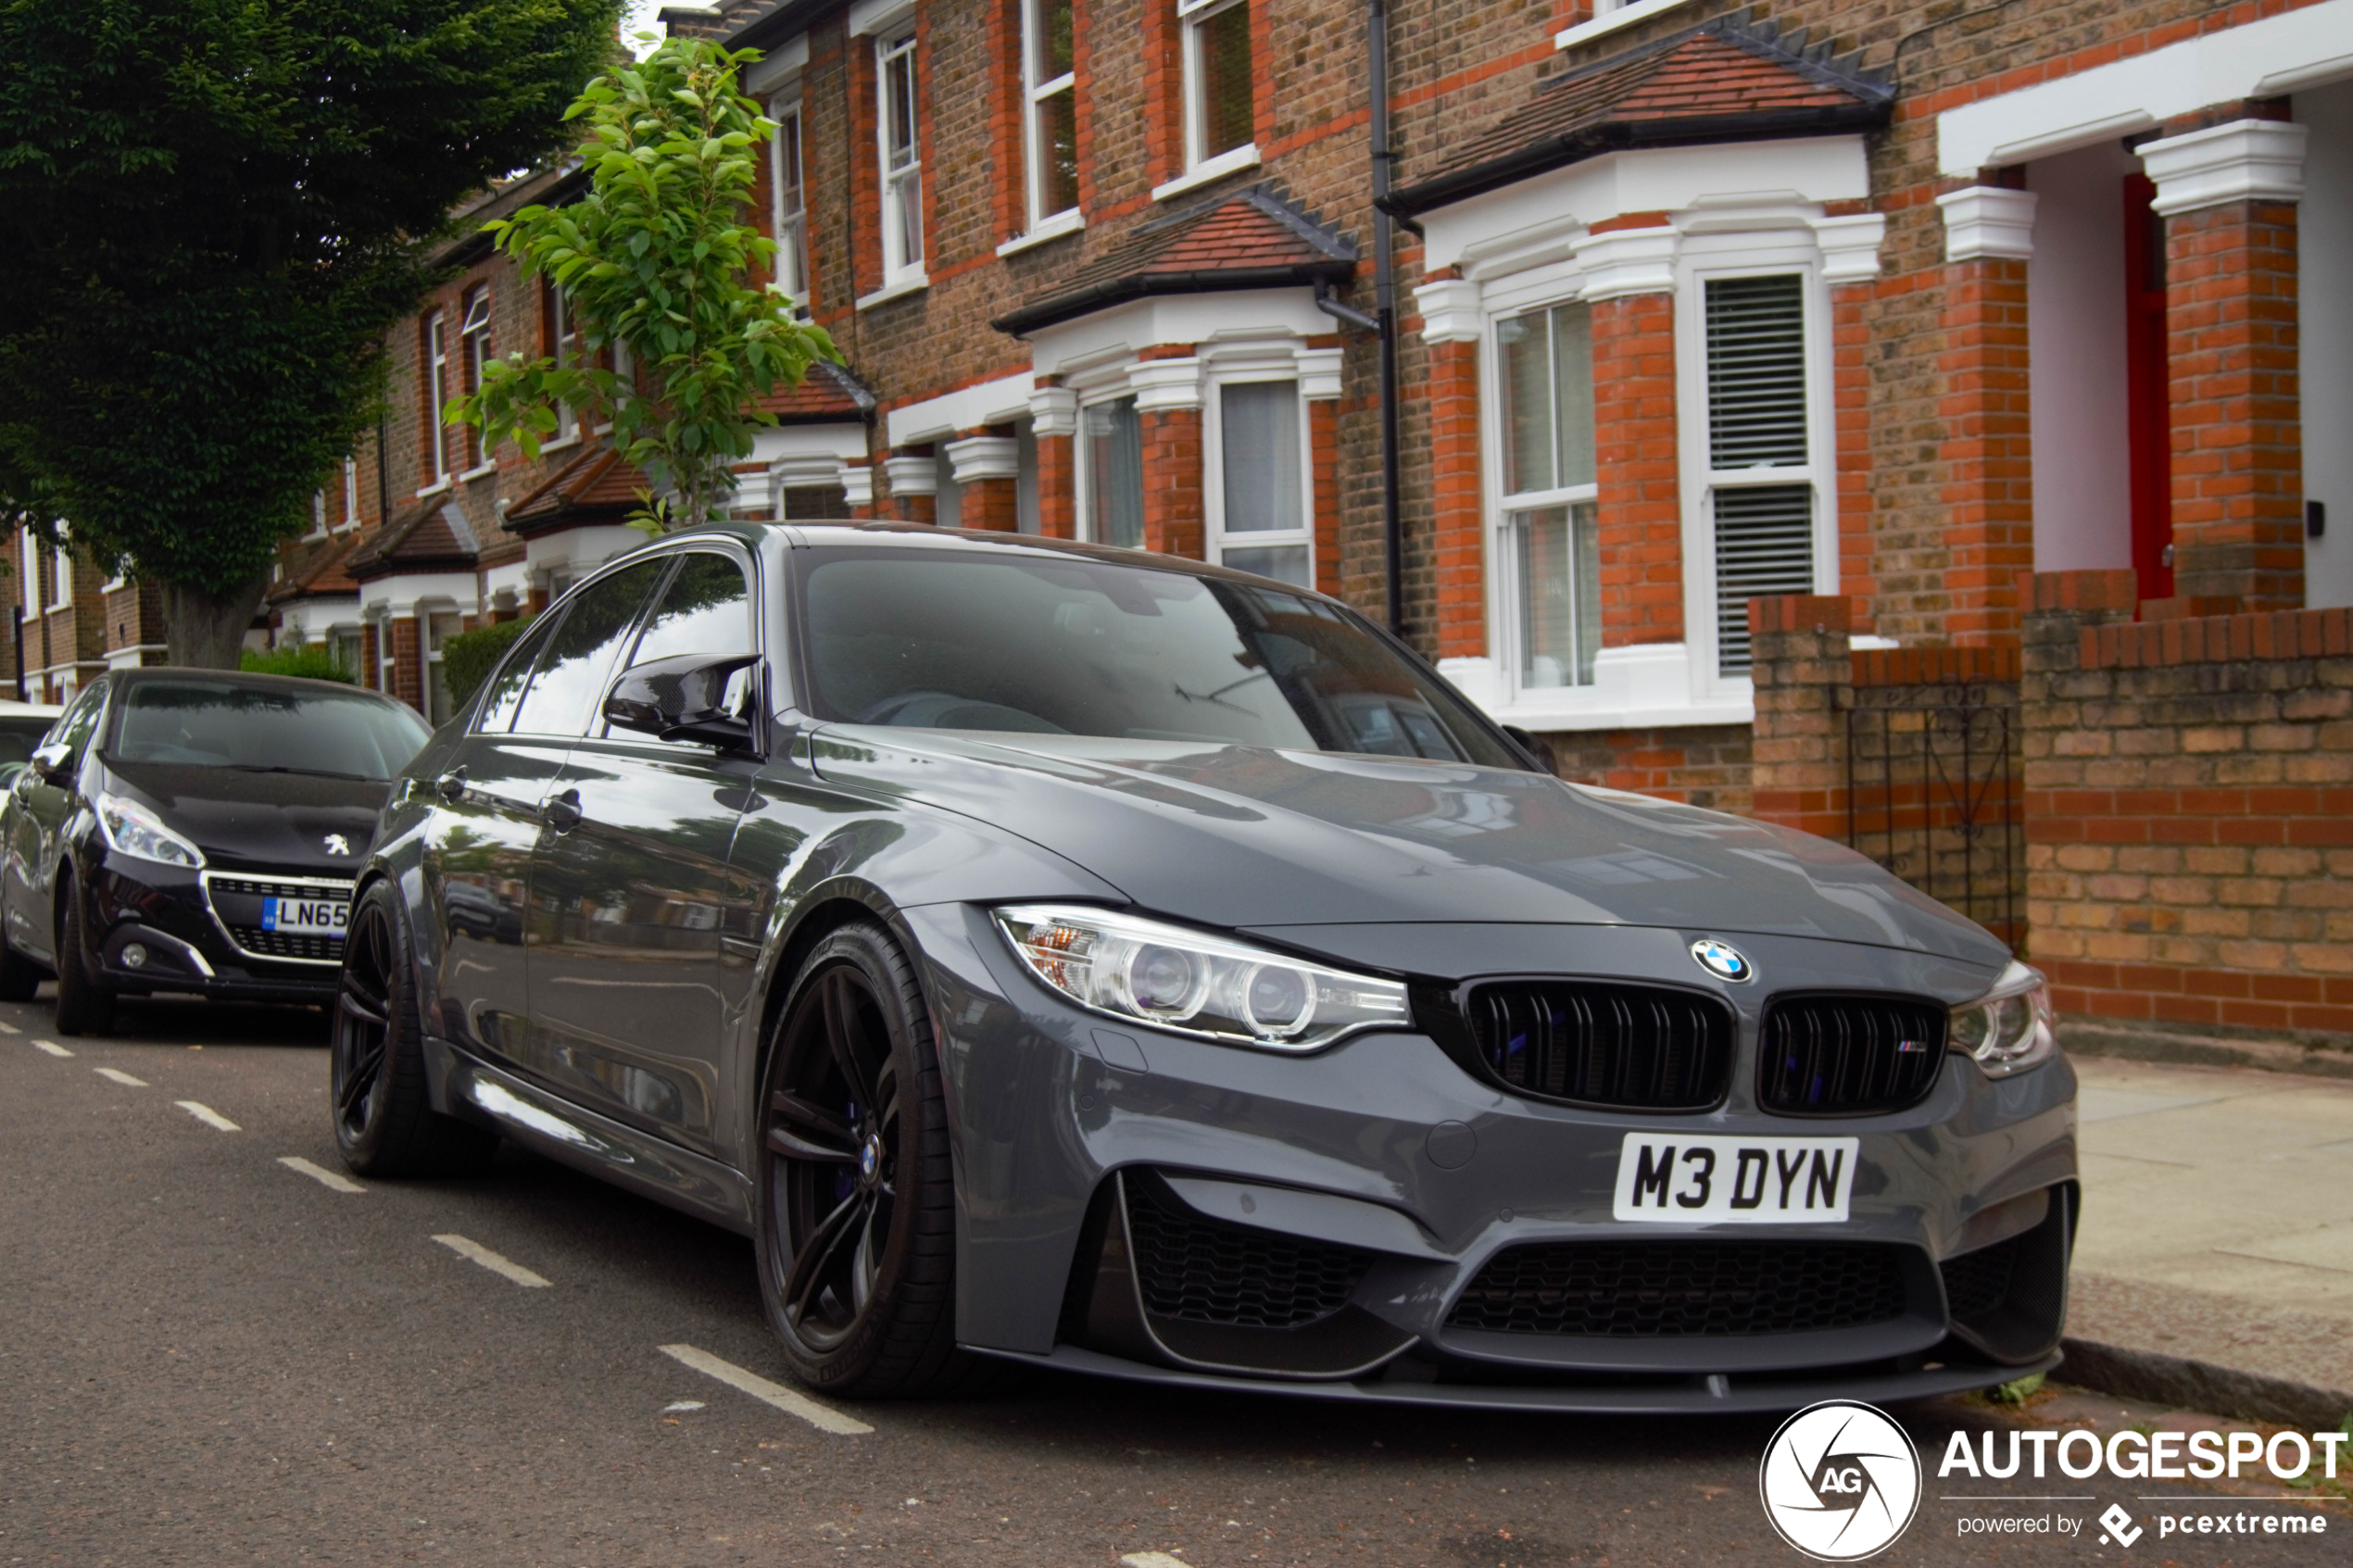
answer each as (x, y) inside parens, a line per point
(308, 772)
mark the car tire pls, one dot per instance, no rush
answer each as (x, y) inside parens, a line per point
(19, 976)
(856, 1206)
(384, 1123)
(84, 1007)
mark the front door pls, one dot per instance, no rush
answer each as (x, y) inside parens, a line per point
(477, 865)
(628, 886)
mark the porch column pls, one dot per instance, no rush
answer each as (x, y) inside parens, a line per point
(1168, 412)
(988, 467)
(1053, 423)
(1987, 448)
(2228, 195)
(913, 473)
(1452, 326)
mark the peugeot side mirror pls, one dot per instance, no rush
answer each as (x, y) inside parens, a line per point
(682, 698)
(53, 761)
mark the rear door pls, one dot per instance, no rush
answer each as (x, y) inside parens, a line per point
(477, 860)
(37, 816)
(623, 953)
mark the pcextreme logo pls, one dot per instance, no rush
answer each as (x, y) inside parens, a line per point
(1840, 1481)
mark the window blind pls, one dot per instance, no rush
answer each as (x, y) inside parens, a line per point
(1756, 371)
(1764, 544)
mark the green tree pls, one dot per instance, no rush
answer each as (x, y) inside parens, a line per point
(217, 209)
(656, 260)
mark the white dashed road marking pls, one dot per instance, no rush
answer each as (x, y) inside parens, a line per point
(51, 1046)
(9, 1029)
(475, 1252)
(325, 1178)
(790, 1401)
(206, 1115)
(116, 1075)
(1152, 1560)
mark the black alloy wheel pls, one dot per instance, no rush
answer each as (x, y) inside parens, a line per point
(384, 1123)
(84, 1007)
(857, 1226)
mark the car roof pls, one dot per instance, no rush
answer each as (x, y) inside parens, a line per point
(889, 534)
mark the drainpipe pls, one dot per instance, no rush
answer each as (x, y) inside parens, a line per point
(1385, 311)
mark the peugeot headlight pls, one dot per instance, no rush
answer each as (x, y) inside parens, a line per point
(1194, 983)
(2011, 1027)
(132, 830)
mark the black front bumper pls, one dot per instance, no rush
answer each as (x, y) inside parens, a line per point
(156, 928)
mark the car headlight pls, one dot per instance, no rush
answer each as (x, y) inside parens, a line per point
(132, 830)
(2011, 1027)
(1195, 983)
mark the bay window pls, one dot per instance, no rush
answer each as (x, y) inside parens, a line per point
(1763, 464)
(902, 153)
(1049, 110)
(1549, 553)
(1110, 479)
(1259, 509)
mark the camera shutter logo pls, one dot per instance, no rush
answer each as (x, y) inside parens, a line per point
(1840, 1481)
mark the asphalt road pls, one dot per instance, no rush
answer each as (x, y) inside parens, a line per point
(212, 1357)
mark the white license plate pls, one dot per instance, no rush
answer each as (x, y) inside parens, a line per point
(1702, 1180)
(317, 917)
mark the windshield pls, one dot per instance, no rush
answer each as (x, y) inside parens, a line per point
(953, 641)
(265, 728)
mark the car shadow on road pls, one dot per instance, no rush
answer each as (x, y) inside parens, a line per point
(189, 1021)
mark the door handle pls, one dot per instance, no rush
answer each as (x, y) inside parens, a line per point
(562, 811)
(451, 786)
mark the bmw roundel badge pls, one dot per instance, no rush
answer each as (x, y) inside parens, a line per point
(1722, 960)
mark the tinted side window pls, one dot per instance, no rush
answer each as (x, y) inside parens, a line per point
(75, 726)
(706, 608)
(570, 680)
(506, 687)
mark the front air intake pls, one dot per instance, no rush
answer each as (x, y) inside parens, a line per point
(1625, 1048)
(1676, 1289)
(1848, 1056)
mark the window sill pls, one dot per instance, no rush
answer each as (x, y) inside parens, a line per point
(1052, 228)
(1625, 15)
(438, 487)
(1209, 170)
(1549, 715)
(561, 444)
(479, 471)
(914, 282)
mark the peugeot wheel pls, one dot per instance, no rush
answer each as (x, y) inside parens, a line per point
(856, 1225)
(84, 1007)
(384, 1125)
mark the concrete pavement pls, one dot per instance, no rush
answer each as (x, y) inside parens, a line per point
(2217, 1218)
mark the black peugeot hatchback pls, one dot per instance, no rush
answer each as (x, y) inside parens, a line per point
(195, 832)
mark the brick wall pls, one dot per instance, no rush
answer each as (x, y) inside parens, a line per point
(1703, 765)
(2190, 812)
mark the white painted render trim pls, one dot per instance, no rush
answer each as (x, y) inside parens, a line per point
(780, 65)
(1101, 336)
(1988, 221)
(982, 456)
(870, 17)
(2280, 54)
(1053, 410)
(2245, 160)
(1629, 701)
(399, 595)
(846, 440)
(1450, 311)
(988, 403)
(1610, 21)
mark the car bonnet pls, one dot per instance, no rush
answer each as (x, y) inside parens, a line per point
(1237, 835)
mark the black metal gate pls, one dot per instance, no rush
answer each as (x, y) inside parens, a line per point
(1934, 793)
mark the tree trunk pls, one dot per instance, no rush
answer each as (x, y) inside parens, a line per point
(206, 630)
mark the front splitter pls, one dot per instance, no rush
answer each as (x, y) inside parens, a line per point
(1711, 1395)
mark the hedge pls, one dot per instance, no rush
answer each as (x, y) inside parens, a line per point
(314, 662)
(468, 658)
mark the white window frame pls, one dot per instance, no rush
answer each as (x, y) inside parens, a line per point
(1083, 459)
(563, 347)
(1215, 539)
(902, 262)
(1200, 164)
(430, 649)
(1506, 638)
(436, 371)
(350, 493)
(29, 578)
(791, 232)
(1033, 94)
(473, 353)
(61, 568)
(1709, 257)
(318, 514)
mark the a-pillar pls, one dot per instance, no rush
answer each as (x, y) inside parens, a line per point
(1629, 283)
(1988, 496)
(2228, 195)
(1168, 414)
(987, 464)
(1452, 326)
(1054, 424)
(914, 476)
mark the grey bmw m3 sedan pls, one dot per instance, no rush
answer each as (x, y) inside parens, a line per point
(1073, 957)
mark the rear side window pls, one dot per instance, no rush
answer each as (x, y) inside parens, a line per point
(570, 680)
(74, 728)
